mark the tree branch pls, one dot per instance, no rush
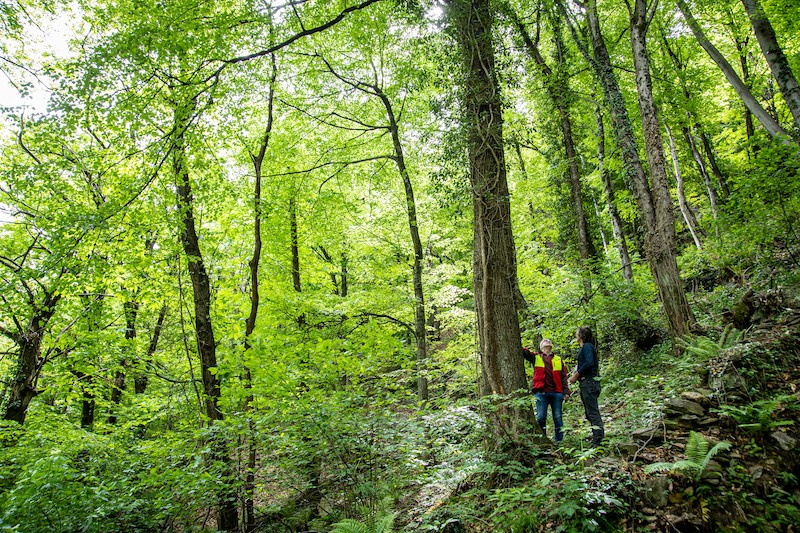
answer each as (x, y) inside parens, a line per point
(293, 38)
(22, 143)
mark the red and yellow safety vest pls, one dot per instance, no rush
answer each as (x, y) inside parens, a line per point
(538, 373)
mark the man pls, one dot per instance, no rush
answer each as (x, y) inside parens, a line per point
(549, 385)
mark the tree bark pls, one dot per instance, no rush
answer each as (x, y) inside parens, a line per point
(686, 209)
(201, 290)
(616, 221)
(775, 57)
(495, 268)
(770, 124)
(662, 247)
(22, 387)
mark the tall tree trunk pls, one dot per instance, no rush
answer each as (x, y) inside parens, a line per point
(140, 380)
(420, 332)
(558, 92)
(686, 209)
(201, 290)
(22, 387)
(701, 167)
(662, 249)
(130, 309)
(248, 514)
(655, 206)
(775, 57)
(769, 123)
(495, 267)
(616, 220)
(420, 329)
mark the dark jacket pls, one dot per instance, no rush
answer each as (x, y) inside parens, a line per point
(588, 363)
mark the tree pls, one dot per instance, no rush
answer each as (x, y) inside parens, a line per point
(494, 263)
(616, 221)
(655, 204)
(775, 57)
(557, 86)
(683, 204)
(375, 89)
(769, 123)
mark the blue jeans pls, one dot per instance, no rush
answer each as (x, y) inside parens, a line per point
(554, 400)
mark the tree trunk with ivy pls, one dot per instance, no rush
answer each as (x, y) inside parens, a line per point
(494, 261)
(22, 387)
(660, 235)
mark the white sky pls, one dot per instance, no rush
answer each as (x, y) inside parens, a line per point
(46, 38)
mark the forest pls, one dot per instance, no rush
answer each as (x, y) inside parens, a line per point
(276, 265)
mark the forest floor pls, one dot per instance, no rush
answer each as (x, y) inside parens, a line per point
(702, 442)
(722, 455)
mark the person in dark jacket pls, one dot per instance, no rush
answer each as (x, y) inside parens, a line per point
(588, 374)
(549, 385)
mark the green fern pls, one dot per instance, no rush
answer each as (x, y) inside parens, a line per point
(706, 349)
(383, 525)
(698, 456)
(762, 415)
(349, 525)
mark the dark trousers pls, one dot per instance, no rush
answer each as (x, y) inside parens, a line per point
(590, 392)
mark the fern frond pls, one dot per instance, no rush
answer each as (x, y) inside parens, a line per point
(697, 457)
(696, 447)
(705, 513)
(718, 447)
(705, 349)
(729, 337)
(677, 467)
(686, 464)
(659, 467)
(348, 525)
(385, 524)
